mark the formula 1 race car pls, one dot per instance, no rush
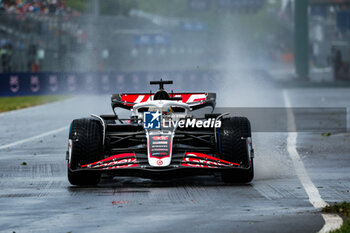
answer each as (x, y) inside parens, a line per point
(161, 139)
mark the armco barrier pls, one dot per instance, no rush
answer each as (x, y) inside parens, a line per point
(21, 84)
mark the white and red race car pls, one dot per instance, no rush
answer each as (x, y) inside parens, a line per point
(160, 139)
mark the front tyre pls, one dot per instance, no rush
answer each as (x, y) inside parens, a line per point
(235, 134)
(85, 137)
(238, 176)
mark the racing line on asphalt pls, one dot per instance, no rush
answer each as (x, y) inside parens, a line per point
(332, 221)
(34, 137)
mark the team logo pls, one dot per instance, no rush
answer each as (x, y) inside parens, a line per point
(89, 83)
(34, 83)
(160, 138)
(72, 82)
(53, 83)
(151, 120)
(105, 83)
(14, 84)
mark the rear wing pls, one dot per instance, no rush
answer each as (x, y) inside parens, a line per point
(195, 100)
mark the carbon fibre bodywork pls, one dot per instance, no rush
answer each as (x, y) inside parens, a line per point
(131, 148)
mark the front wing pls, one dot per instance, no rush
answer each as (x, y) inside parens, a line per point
(130, 161)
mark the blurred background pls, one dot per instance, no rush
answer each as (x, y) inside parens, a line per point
(59, 46)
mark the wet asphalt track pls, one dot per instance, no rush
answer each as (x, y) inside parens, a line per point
(38, 198)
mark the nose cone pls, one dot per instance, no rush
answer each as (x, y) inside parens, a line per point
(159, 148)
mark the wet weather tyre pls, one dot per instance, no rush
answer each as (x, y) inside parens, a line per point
(239, 176)
(86, 136)
(233, 133)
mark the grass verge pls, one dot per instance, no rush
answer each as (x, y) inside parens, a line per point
(342, 209)
(14, 103)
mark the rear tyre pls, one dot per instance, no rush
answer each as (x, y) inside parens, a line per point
(86, 137)
(234, 132)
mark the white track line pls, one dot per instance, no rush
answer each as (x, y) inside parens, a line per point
(33, 138)
(332, 221)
